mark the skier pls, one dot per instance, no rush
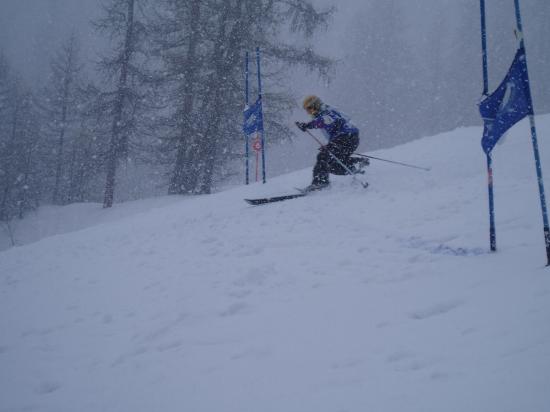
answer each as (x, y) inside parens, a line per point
(343, 140)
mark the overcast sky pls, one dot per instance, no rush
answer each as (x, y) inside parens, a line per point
(29, 29)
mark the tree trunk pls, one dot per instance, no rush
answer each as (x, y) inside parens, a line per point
(4, 215)
(24, 202)
(180, 181)
(59, 162)
(116, 138)
(61, 140)
(227, 54)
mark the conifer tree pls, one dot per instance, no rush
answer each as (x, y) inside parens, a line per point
(203, 45)
(123, 69)
(60, 107)
(20, 178)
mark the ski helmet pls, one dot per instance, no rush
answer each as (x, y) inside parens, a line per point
(312, 103)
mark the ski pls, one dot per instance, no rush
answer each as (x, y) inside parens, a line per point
(265, 200)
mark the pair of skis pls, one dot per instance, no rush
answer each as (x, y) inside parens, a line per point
(265, 200)
(273, 199)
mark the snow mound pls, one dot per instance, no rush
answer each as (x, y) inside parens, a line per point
(384, 299)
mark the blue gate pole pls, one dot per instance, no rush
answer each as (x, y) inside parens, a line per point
(246, 150)
(492, 230)
(535, 144)
(260, 97)
(484, 49)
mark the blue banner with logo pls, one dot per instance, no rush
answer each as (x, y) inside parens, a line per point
(253, 118)
(508, 104)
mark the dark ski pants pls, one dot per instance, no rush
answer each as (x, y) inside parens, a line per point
(341, 147)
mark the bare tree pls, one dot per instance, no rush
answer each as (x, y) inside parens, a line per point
(20, 179)
(122, 67)
(60, 105)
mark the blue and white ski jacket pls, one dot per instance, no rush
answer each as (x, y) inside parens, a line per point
(332, 123)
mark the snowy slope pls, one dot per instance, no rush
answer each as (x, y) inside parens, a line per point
(49, 221)
(346, 300)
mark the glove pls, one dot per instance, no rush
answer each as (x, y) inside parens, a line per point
(302, 126)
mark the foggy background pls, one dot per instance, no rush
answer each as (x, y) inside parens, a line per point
(402, 69)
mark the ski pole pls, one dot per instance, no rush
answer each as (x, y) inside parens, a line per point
(347, 169)
(427, 169)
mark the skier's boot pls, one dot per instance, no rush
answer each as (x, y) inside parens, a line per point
(316, 186)
(359, 163)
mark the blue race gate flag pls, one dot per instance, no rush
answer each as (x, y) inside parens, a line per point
(253, 118)
(508, 104)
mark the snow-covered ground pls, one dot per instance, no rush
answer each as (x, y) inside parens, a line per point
(384, 299)
(49, 221)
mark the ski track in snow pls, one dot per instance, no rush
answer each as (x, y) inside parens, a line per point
(384, 299)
